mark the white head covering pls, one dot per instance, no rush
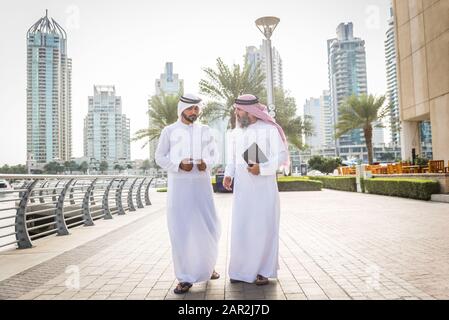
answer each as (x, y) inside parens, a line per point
(188, 100)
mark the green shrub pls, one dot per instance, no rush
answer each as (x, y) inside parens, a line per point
(291, 184)
(362, 184)
(405, 188)
(291, 178)
(337, 183)
(299, 185)
(324, 164)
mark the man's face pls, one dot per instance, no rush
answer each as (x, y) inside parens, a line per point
(191, 114)
(242, 118)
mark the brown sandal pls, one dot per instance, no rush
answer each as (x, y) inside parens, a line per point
(261, 280)
(215, 275)
(182, 287)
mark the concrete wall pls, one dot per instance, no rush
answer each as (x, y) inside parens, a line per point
(422, 41)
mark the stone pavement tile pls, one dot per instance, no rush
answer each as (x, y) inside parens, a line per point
(340, 298)
(124, 289)
(163, 285)
(295, 296)
(234, 295)
(173, 296)
(305, 280)
(157, 293)
(118, 280)
(215, 296)
(312, 290)
(215, 291)
(335, 292)
(136, 297)
(109, 287)
(319, 296)
(56, 290)
(146, 283)
(140, 290)
(275, 297)
(96, 285)
(216, 283)
(234, 287)
(136, 277)
(195, 296)
(254, 295)
(29, 296)
(102, 296)
(273, 291)
(45, 297)
(292, 289)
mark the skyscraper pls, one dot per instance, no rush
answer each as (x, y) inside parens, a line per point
(255, 55)
(392, 82)
(49, 100)
(319, 112)
(106, 129)
(312, 109)
(169, 84)
(326, 121)
(347, 76)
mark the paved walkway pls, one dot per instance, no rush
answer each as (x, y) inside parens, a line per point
(333, 245)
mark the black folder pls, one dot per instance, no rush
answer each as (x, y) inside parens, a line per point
(254, 155)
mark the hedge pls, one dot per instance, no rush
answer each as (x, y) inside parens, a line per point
(337, 183)
(405, 188)
(286, 184)
(299, 185)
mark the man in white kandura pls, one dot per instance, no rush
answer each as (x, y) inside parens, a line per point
(187, 151)
(256, 211)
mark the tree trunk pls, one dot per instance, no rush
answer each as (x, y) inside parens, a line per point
(233, 120)
(368, 131)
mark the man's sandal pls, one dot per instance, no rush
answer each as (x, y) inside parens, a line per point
(261, 280)
(182, 287)
(215, 275)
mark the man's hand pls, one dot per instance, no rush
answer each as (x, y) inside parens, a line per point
(227, 182)
(186, 165)
(254, 169)
(202, 165)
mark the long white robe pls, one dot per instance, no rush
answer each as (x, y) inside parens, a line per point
(256, 208)
(192, 220)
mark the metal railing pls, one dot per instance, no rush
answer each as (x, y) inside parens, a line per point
(36, 206)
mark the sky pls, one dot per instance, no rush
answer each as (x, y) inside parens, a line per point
(126, 44)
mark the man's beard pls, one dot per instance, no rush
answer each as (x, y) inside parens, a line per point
(192, 118)
(243, 121)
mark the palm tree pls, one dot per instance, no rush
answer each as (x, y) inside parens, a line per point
(163, 111)
(119, 168)
(146, 164)
(54, 167)
(295, 127)
(225, 84)
(84, 166)
(104, 166)
(360, 112)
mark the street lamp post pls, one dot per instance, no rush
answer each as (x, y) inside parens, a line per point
(266, 25)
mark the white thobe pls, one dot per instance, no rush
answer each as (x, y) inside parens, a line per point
(192, 220)
(256, 209)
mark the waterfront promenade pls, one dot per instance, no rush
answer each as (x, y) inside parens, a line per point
(333, 245)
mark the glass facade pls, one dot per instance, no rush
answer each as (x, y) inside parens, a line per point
(106, 129)
(48, 93)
